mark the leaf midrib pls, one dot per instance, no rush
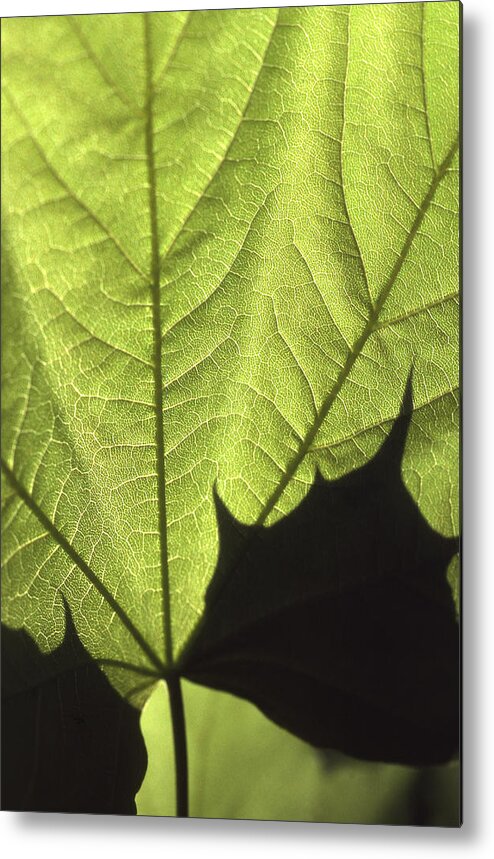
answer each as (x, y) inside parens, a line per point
(157, 351)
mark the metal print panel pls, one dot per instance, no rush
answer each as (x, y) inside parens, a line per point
(231, 413)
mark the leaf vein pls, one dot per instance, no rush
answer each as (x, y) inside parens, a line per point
(90, 575)
(69, 191)
(168, 250)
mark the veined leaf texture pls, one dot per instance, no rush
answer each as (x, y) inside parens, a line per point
(230, 241)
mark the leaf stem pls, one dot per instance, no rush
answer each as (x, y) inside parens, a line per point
(179, 744)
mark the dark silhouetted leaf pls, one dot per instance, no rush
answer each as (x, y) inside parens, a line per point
(72, 743)
(338, 621)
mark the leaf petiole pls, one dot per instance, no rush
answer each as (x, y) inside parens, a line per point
(179, 744)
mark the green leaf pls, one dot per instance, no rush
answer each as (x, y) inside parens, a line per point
(229, 235)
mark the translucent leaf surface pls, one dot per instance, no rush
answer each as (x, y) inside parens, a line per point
(229, 236)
